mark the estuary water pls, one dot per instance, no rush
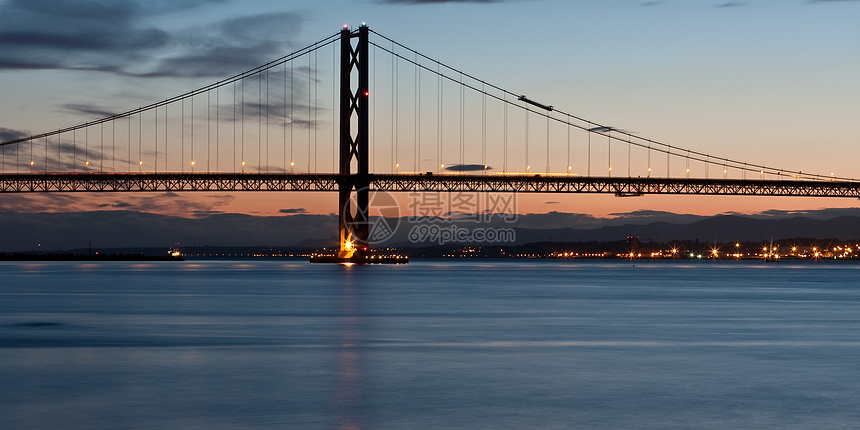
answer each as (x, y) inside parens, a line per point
(479, 344)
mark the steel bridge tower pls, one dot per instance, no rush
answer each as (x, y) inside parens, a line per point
(354, 223)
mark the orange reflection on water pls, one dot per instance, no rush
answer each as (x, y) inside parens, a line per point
(349, 375)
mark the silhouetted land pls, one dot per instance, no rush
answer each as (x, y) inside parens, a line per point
(788, 249)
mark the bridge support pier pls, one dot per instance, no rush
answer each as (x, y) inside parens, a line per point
(354, 223)
(354, 176)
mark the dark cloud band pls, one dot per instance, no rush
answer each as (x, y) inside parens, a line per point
(117, 37)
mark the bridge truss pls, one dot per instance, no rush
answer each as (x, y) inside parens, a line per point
(222, 182)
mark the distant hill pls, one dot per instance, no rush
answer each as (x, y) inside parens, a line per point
(120, 229)
(723, 228)
(126, 229)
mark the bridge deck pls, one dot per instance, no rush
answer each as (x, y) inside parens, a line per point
(623, 186)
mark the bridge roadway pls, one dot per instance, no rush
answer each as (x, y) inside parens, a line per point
(497, 183)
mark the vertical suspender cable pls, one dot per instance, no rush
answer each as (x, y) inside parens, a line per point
(286, 118)
(439, 129)
(547, 143)
(396, 113)
(462, 121)
(315, 104)
(208, 130)
(415, 120)
(75, 148)
(483, 128)
(242, 132)
(292, 121)
(192, 134)
(259, 122)
(217, 126)
(267, 120)
(32, 144)
(687, 158)
(588, 170)
(234, 125)
(418, 115)
(310, 115)
(629, 150)
(156, 139)
(649, 159)
(668, 160)
(394, 83)
(334, 139)
(373, 91)
(528, 166)
(568, 145)
(166, 166)
(505, 145)
(182, 138)
(609, 152)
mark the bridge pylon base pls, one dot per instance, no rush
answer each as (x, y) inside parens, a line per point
(361, 259)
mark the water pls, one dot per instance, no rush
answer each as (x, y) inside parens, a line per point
(456, 345)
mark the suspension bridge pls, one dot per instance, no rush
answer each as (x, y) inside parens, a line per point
(306, 121)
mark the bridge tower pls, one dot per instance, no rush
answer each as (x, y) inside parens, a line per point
(354, 147)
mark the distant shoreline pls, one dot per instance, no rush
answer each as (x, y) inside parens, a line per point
(23, 256)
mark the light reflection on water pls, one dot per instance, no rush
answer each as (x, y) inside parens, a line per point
(482, 344)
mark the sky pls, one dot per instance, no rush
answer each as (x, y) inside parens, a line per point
(767, 82)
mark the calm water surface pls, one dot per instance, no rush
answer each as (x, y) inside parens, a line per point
(431, 345)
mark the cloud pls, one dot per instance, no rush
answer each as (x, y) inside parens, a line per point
(467, 168)
(185, 205)
(733, 4)
(550, 203)
(75, 34)
(93, 110)
(118, 205)
(206, 213)
(120, 37)
(641, 213)
(233, 45)
(293, 211)
(7, 134)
